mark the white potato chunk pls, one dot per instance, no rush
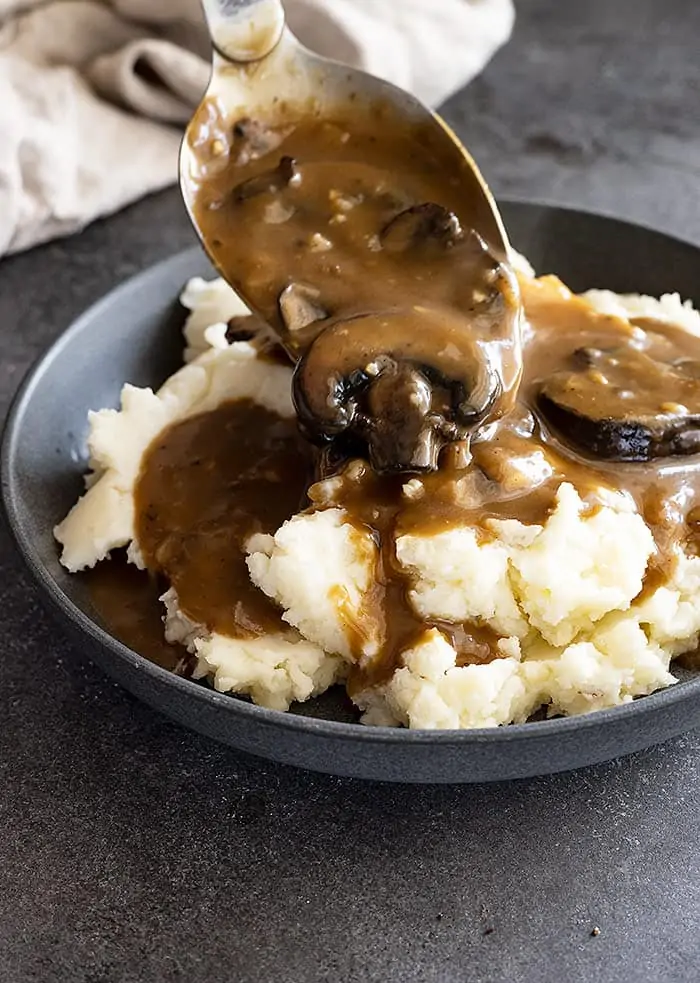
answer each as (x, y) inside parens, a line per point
(319, 568)
(669, 308)
(274, 670)
(212, 304)
(431, 692)
(559, 578)
(458, 578)
(580, 566)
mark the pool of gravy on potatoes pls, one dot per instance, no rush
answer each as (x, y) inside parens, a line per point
(208, 483)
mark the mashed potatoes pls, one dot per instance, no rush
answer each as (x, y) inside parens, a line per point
(565, 599)
(575, 642)
(318, 568)
(274, 670)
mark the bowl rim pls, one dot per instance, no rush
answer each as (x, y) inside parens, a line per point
(529, 733)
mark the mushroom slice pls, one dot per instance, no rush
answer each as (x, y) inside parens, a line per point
(402, 384)
(286, 174)
(621, 404)
(299, 307)
(420, 224)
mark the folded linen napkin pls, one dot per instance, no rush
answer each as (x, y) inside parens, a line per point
(94, 93)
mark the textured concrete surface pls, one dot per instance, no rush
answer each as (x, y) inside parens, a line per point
(134, 851)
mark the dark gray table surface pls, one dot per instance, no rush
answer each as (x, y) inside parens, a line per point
(132, 850)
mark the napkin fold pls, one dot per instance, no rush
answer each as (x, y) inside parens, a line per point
(94, 93)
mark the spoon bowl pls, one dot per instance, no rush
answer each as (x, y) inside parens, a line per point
(261, 71)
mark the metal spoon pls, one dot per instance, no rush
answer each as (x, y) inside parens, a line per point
(256, 58)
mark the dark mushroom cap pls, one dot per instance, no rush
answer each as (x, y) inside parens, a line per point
(407, 382)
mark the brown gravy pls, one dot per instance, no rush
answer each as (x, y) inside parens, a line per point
(128, 603)
(350, 242)
(389, 289)
(206, 485)
(211, 481)
(505, 479)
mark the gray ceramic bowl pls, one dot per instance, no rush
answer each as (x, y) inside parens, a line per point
(132, 335)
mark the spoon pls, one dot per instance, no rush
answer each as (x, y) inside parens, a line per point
(378, 368)
(257, 59)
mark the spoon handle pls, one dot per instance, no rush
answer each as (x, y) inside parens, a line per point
(244, 30)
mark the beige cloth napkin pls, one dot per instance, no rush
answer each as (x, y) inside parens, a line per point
(94, 93)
